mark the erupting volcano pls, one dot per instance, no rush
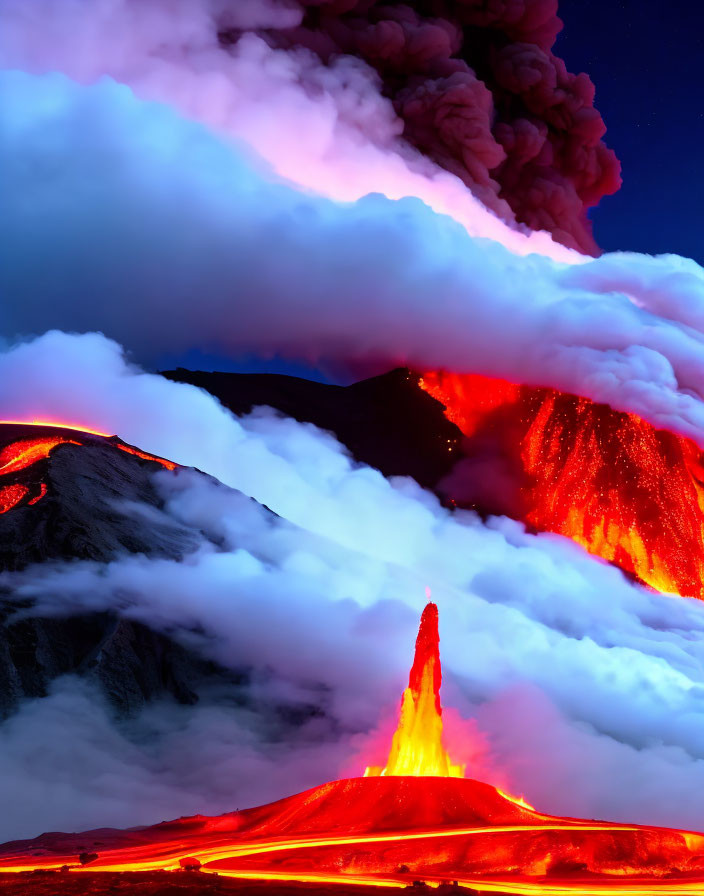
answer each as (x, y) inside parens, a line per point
(417, 819)
(627, 492)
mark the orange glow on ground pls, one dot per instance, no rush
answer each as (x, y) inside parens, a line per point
(519, 852)
(518, 800)
(19, 455)
(417, 747)
(627, 492)
(42, 492)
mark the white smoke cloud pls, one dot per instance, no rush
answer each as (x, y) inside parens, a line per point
(66, 765)
(324, 601)
(123, 217)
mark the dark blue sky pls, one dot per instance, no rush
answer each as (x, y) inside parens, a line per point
(646, 58)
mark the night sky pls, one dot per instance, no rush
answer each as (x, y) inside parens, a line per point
(644, 56)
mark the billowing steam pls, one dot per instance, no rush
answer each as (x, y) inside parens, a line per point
(263, 195)
(123, 217)
(323, 602)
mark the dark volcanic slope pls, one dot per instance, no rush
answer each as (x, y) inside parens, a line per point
(89, 511)
(386, 422)
(99, 503)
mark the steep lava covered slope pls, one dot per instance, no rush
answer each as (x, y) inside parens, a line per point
(26, 447)
(627, 492)
(392, 829)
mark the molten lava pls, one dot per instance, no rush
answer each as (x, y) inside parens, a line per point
(21, 457)
(417, 747)
(393, 829)
(11, 495)
(625, 491)
(167, 464)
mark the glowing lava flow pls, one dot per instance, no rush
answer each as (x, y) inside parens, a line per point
(19, 455)
(167, 464)
(391, 830)
(417, 747)
(625, 491)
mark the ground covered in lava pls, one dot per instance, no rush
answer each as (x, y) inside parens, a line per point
(166, 883)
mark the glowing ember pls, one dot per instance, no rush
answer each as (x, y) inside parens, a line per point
(625, 491)
(19, 455)
(417, 747)
(11, 495)
(170, 465)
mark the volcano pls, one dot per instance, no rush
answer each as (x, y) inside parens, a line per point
(429, 823)
(70, 494)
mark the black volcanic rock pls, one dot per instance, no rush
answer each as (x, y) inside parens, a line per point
(94, 493)
(130, 663)
(100, 503)
(387, 421)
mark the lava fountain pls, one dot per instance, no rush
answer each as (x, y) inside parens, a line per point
(391, 828)
(417, 747)
(624, 490)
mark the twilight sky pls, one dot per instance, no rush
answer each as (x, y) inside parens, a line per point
(644, 56)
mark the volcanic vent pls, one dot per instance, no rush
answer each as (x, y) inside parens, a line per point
(390, 828)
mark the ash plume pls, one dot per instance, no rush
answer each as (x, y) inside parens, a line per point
(479, 92)
(472, 88)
